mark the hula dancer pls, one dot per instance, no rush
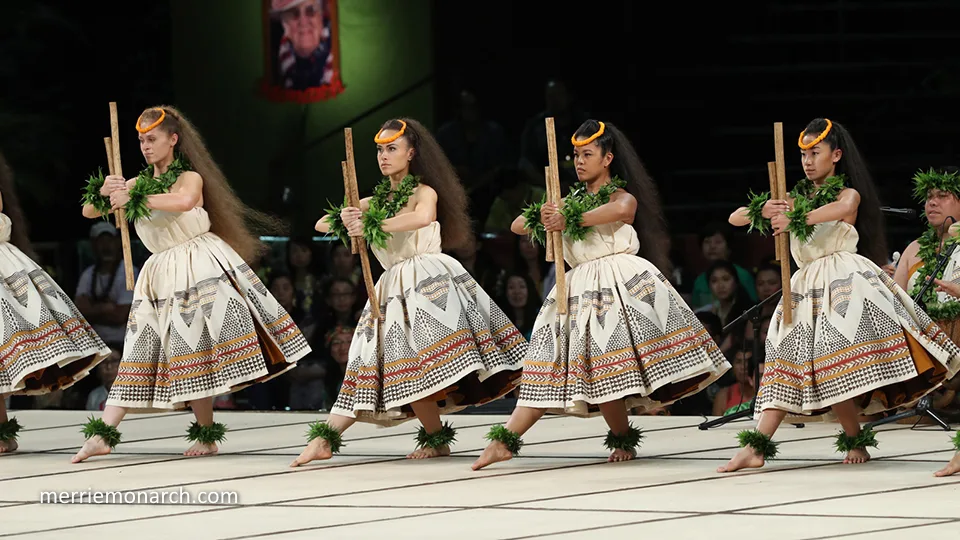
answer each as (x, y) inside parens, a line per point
(628, 339)
(858, 343)
(201, 323)
(49, 345)
(940, 192)
(441, 344)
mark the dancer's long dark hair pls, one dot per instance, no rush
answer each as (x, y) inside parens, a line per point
(11, 207)
(870, 224)
(649, 222)
(431, 164)
(233, 221)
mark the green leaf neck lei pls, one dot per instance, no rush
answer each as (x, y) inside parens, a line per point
(146, 184)
(937, 310)
(577, 203)
(806, 196)
(382, 208)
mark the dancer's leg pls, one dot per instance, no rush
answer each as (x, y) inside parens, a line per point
(434, 438)
(505, 437)
(205, 433)
(750, 456)
(105, 434)
(322, 435)
(8, 429)
(623, 438)
(853, 441)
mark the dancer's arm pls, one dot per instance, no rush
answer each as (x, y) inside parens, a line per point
(110, 184)
(90, 213)
(519, 226)
(323, 224)
(184, 195)
(909, 258)
(843, 209)
(622, 207)
(741, 216)
(424, 213)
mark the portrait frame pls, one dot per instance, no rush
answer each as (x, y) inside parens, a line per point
(281, 81)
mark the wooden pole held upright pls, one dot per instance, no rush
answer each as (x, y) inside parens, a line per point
(549, 241)
(348, 174)
(358, 244)
(553, 195)
(784, 238)
(121, 215)
(774, 195)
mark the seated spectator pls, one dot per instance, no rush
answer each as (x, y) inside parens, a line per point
(520, 302)
(715, 243)
(730, 300)
(106, 372)
(102, 294)
(737, 396)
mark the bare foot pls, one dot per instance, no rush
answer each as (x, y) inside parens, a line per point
(317, 449)
(9, 446)
(495, 452)
(857, 455)
(952, 468)
(746, 458)
(427, 453)
(94, 446)
(201, 449)
(621, 455)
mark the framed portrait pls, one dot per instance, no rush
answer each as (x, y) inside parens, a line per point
(301, 50)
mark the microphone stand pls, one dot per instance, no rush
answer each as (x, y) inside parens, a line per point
(755, 314)
(925, 405)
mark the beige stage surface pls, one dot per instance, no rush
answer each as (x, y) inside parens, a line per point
(560, 487)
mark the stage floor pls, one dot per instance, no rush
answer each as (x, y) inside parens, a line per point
(560, 487)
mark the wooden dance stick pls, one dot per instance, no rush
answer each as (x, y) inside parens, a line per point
(772, 173)
(350, 173)
(121, 214)
(549, 246)
(360, 244)
(553, 195)
(783, 240)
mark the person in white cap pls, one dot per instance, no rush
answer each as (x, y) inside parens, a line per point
(304, 56)
(102, 294)
(47, 344)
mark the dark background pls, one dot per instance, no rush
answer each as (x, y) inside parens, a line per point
(697, 88)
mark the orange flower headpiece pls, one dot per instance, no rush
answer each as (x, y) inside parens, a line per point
(588, 140)
(815, 141)
(163, 116)
(397, 135)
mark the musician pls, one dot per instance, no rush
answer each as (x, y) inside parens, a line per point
(940, 192)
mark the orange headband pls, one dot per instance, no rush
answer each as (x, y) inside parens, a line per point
(163, 115)
(397, 135)
(588, 140)
(815, 141)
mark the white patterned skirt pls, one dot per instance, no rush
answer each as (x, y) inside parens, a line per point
(855, 335)
(440, 337)
(627, 334)
(201, 324)
(47, 344)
